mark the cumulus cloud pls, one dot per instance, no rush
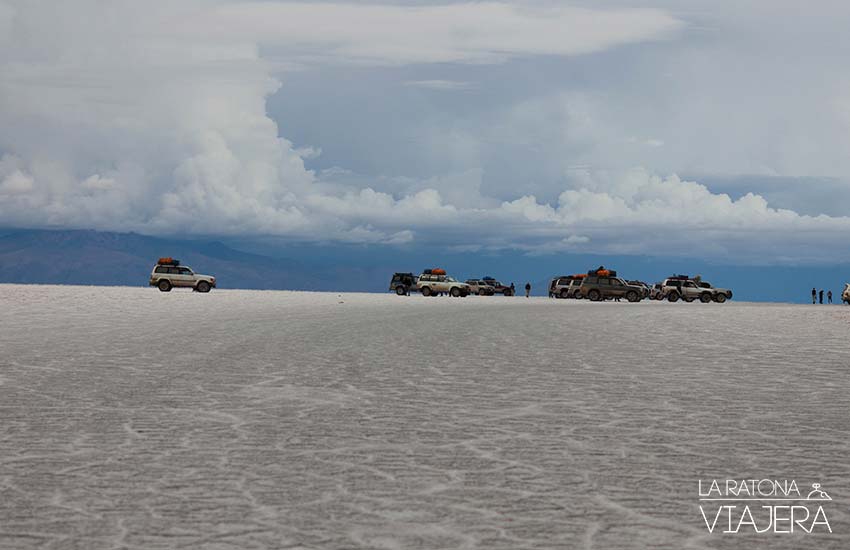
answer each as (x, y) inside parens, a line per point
(152, 117)
(439, 85)
(472, 32)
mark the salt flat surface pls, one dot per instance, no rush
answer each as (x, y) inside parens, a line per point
(247, 419)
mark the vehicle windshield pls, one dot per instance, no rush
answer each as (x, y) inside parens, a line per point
(451, 279)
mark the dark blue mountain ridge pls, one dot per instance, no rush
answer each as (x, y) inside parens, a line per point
(109, 258)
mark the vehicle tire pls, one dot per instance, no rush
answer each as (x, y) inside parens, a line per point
(632, 296)
(164, 286)
(673, 297)
(454, 292)
(594, 295)
(720, 298)
(705, 297)
(400, 290)
(426, 291)
(203, 286)
(565, 294)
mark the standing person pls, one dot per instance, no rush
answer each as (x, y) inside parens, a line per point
(814, 295)
(513, 290)
(829, 296)
(821, 295)
(527, 290)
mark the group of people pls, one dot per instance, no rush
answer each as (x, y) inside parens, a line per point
(818, 296)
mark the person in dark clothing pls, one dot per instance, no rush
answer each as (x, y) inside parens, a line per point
(814, 296)
(513, 290)
(829, 296)
(527, 290)
(821, 295)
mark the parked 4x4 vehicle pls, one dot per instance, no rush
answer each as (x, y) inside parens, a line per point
(432, 284)
(719, 295)
(566, 287)
(845, 295)
(480, 287)
(168, 273)
(687, 289)
(656, 292)
(643, 285)
(498, 287)
(597, 288)
(403, 283)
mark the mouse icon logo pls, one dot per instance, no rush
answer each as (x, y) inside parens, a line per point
(817, 494)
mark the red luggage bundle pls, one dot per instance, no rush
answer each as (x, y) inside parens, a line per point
(438, 271)
(167, 261)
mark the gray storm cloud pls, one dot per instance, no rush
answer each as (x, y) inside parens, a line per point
(152, 117)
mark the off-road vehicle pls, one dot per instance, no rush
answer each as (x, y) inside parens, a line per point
(566, 287)
(403, 283)
(656, 292)
(684, 288)
(688, 289)
(430, 284)
(719, 295)
(480, 287)
(168, 273)
(498, 287)
(597, 288)
(845, 296)
(642, 285)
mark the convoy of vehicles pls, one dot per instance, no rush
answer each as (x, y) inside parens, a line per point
(596, 285)
(168, 274)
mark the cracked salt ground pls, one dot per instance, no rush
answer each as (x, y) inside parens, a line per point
(241, 419)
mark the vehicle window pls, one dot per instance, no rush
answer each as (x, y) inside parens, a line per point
(690, 284)
(617, 282)
(161, 269)
(185, 271)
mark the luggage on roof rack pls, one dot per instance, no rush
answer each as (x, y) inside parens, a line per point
(602, 272)
(167, 261)
(488, 278)
(438, 271)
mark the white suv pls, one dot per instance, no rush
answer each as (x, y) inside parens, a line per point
(167, 276)
(432, 285)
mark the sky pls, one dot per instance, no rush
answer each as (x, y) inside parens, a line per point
(719, 130)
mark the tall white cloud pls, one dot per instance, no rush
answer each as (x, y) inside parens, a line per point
(152, 117)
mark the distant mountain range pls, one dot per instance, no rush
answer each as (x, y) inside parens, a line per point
(105, 258)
